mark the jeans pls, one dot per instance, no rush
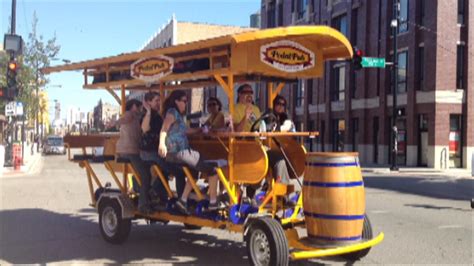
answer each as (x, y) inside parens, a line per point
(143, 170)
(167, 168)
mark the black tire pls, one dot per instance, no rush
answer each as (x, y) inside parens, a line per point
(191, 227)
(266, 243)
(366, 235)
(113, 228)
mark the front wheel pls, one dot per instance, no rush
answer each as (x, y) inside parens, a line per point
(366, 235)
(113, 228)
(266, 243)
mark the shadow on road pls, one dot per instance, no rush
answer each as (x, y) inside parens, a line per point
(433, 207)
(430, 186)
(40, 236)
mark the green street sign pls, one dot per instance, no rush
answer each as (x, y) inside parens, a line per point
(373, 62)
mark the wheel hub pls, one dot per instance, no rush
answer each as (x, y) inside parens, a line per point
(260, 249)
(109, 221)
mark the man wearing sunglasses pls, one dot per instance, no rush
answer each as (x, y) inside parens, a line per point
(245, 112)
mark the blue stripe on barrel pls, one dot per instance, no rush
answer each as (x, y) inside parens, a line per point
(337, 184)
(351, 238)
(335, 217)
(332, 164)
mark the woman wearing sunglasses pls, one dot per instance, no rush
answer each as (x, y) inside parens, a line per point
(284, 123)
(216, 119)
(174, 146)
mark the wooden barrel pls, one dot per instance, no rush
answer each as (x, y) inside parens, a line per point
(333, 198)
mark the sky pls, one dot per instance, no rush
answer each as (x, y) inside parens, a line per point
(93, 29)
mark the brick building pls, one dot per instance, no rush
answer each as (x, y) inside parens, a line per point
(353, 109)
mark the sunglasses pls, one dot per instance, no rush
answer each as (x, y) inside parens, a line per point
(211, 104)
(185, 101)
(281, 103)
(246, 92)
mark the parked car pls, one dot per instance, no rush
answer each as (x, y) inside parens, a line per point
(54, 145)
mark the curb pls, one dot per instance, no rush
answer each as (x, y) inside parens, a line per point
(28, 169)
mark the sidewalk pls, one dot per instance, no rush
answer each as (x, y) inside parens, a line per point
(30, 163)
(453, 172)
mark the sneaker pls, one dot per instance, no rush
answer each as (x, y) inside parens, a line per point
(181, 206)
(215, 206)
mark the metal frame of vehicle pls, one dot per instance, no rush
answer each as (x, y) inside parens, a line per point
(277, 56)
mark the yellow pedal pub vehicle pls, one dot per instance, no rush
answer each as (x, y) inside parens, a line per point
(328, 217)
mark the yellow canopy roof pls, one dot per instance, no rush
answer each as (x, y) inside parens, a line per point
(287, 52)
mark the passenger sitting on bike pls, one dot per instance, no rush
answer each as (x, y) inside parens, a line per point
(216, 120)
(151, 123)
(244, 116)
(127, 147)
(174, 146)
(284, 123)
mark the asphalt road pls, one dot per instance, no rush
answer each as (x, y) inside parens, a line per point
(45, 218)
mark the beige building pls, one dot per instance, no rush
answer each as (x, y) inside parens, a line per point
(174, 33)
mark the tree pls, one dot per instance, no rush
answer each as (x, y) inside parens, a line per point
(38, 54)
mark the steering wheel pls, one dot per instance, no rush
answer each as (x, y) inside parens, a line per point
(270, 120)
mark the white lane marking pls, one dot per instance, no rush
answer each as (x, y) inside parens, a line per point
(450, 226)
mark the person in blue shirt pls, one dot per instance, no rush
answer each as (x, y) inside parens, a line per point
(174, 146)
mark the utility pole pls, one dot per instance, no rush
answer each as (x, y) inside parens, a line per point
(394, 25)
(12, 58)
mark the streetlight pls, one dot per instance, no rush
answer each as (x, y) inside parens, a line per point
(394, 25)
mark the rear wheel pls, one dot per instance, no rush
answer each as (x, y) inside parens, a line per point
(266, 243)
(113, 228)
(366, 235)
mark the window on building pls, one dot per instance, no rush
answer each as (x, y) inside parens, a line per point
(310, 89)
(309, 142)
(461, 11)
(403, 15)
(460, 63)
(355, 134)
(271, 23)
(375, 139)
(421, 13)
(340, 23)
(354, 22)
(299, 93)
(301, 8)
(257, 95)
(455, 139)
(402, 72)
(353, 84)
(338, 130)
(280, 14)
(423, 119)
(322, 133)
(338, 87)
(421, 68)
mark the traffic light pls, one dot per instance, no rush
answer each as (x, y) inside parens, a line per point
(11, 90)
(357, 59)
